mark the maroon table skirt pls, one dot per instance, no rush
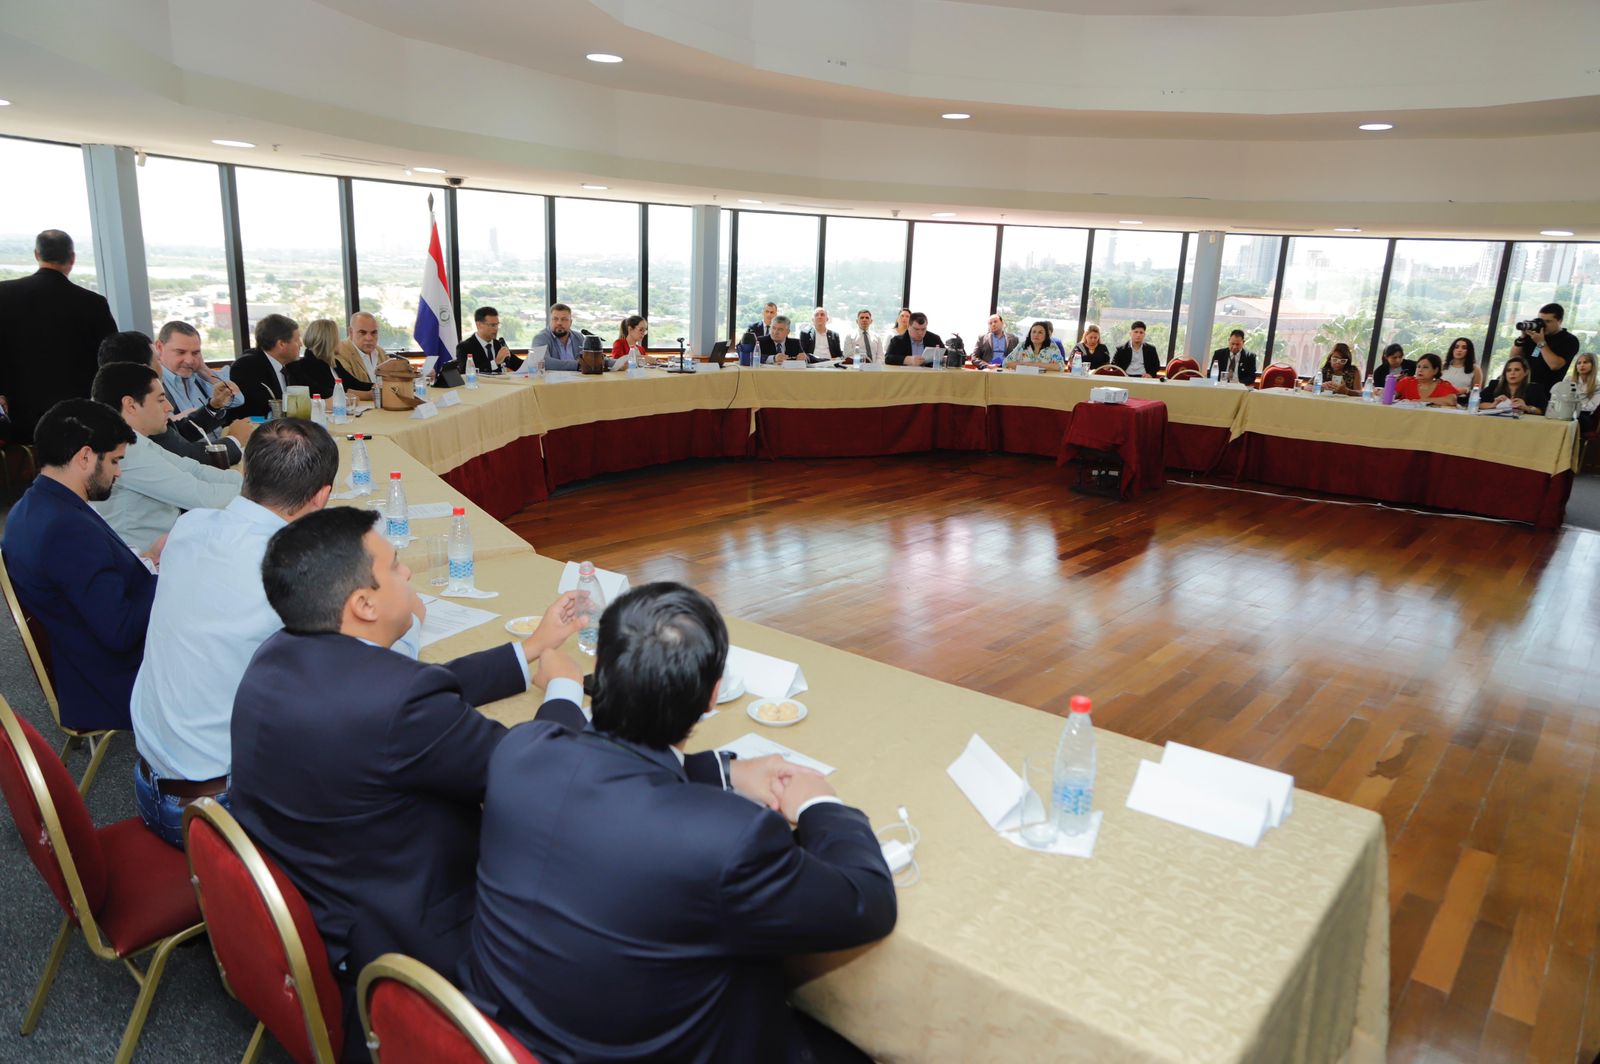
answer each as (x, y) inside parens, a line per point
(1036, 430)
(579, 452)
(1440, 481)
(503, 480)
(1135, 430)
(818, 433)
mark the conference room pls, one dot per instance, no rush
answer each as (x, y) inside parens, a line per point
(1084, 559)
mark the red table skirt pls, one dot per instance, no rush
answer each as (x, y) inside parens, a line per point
(583, 451)
(504, 480)
(1035, 430)
(1441, 481)
(863, 433)
(1135, 430)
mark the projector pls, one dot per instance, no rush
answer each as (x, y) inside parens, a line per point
(1108, 395)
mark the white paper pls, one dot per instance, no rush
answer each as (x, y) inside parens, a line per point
(751, 745)
(1233, 778)
(989, 784)
(612, 585)
(449, 398)
(1163, 793)
(1029, 371)
(764, 675)
(560, 376)
(445, 619)
(427, 511)
(871, 367)
(426, 410)
(793, 363)
(471, 593)
(1063, 845)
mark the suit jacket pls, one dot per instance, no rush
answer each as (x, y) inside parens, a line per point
(808, 342)
(984, 350)
(899, 348)
(757, 327)
(1124, 358)
(50, 333)
(1247, 364)
(769, 348)
(313, 373)
(186, 446)
(637, 918)
(555, 354)
(483, 357)
(254, 376)
(91, 595)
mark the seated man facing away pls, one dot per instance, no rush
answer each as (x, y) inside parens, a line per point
(906, 349)
(210, 615)
(635, 918)
(156, 485)
(72, 572)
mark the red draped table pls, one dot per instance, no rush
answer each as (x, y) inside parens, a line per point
(1136, 431)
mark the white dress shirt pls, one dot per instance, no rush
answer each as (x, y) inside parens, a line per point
(863, 347)
(156, 486)
(209, 616)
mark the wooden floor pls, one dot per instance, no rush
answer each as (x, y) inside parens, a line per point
(1440, 671)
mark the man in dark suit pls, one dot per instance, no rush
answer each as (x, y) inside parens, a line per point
(258, 373)
(72, 572)
(1224, 360)
(764, 326)
(50, 329)
(819, 327)
(907, 348)
(778, 345)
(1148, 364)
(636, 918)
(487, 351)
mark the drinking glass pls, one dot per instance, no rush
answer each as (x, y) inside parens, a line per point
(1038, 817)
(438, 561)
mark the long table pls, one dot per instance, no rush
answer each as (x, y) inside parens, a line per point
(509, 444)
(1167, 945)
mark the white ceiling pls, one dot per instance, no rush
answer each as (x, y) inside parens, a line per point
(1202, 8)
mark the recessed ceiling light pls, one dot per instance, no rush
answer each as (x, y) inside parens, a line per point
(1375, 127)
(1346, 229)
(1555, 232)
(1129, 221)
(429, 170)
(5, 103)
(233, 144)
(756, 201)
(595, 188)
(942, 214)
(603, 57)
(956, 116)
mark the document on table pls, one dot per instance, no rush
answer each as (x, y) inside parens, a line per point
(446, 619)
(751, 745)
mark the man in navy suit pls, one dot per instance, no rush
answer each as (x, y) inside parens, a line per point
(259, 373)
(635, 918)
(72, 572)
(764, 326)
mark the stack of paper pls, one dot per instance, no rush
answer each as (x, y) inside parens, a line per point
(445, 619)
(750, 745)
(765, 676)
(1218, 795)
(998, 795)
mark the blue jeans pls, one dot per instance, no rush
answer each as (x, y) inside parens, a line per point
(163, 813)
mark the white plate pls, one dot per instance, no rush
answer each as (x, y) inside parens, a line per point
(515, 625)
(732, 687)
(753, 709)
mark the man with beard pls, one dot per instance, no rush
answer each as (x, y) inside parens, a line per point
(561, 345)
(89, 591)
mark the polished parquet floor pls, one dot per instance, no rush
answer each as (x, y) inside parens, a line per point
(1441, 671)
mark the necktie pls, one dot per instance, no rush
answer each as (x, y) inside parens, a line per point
(866, 346)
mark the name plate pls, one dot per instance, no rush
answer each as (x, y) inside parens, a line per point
(872, 367)
(426, 410)
(1032, 371)
(793, 363)
(449, 399)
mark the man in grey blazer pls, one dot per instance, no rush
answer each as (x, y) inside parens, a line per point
(997, 342)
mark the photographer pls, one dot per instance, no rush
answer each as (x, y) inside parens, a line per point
(1548, 347)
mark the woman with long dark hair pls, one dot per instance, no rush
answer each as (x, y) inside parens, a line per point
(1339, 373)
(1515, 388)
(1461, 367)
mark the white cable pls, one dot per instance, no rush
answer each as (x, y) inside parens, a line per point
(901, 856)
(1346, 502)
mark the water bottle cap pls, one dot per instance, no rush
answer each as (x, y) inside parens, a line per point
(316, 395)
(394, 476)
(458, 511)
(586, 568)
(1080, 704)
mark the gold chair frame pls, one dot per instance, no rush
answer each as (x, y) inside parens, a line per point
(211, 811)
(440, 994)
(151, 975)
(98, 740)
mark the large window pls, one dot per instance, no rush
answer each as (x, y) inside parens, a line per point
(778, 264)
(1542, 273)
(671, 248)
(1245, 289)
(289, 232)
(44, 189)
(865, 267)
(180, 207)
(952, 273)
(1181, 336)
(1439, 290)
(597, 263)
(1330, 294)
(725, 269)
(391, 249)
(502, 243)
(1134, 278)
(1041, 278)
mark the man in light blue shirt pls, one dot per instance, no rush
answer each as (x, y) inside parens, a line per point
(210, 615)
(562, 346)
(200, 405)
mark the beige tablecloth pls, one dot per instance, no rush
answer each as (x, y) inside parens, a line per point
(1167, 946)
(1214, 406)
(498, 412)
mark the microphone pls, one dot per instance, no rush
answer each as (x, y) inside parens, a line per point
(747, 346)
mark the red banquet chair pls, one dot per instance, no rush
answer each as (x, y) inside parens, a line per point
(1182, 365)
(412, 1015)
(267, 945)
(1108, 370)
(121, 886)
(38, 651)
(1182, 374)
(1278, 375)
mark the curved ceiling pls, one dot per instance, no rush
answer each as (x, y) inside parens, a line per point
(1191, 8)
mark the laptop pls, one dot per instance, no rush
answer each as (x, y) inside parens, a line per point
(719, 352)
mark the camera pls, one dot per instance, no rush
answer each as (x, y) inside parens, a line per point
(455, 182)
(1536, 325)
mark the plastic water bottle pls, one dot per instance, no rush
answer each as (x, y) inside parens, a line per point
(397, 527)
(1072, 790)
(472, 374)
(633, 360)
(420, 387)
(319, 411)
(1473, 400)
(591, 604)
(360, 467)
(459, 552)
(1216, 373)
(1316, 384)
(1366, 391)
(341, 403)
